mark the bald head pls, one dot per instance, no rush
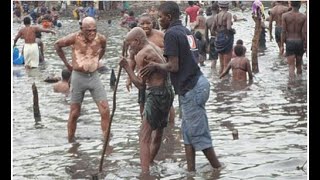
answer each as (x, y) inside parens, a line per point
(136, 33)
(89, 28)
(88, 21)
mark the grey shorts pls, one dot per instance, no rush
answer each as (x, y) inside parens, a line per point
(195, 128)
(81, 82)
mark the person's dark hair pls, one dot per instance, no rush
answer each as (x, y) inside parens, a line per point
(170, 7)
(296, 4)
(209, 11)
(131, 13)
(215, 6)
(26, 20)
(66, 74)
(133, 24)
(239, 41)
(190, 3)
(239, 50)
(198, 35)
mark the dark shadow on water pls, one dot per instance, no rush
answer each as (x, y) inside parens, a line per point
(74, 148)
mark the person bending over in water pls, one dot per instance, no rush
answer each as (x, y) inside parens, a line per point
(159, 94)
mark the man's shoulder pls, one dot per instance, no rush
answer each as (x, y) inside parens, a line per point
(175, 30)
(101, 36)
(158, 32)
(285, 14)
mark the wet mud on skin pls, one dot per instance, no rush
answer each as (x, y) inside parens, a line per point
(270, 115)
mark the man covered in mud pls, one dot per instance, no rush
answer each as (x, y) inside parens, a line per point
(275, 15)
(30, 48)
(159, 94)
(240, 66)
(156, 36)
(222, 25)
(88, 47)
(294, 35)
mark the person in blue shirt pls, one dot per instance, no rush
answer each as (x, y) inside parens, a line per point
(188, 82)
(92, 11)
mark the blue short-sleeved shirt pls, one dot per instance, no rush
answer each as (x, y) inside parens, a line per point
(176, 44)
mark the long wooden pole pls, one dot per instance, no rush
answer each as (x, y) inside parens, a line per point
(124, 54)
(255, 44)
(36, 111)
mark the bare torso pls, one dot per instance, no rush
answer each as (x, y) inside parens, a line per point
(240, 66)
(200, 22)
(28, 33)
(85, 55)
(222, 21)
(294, 24)
(156, 37)
(61, 87)
(276, 13)
(151, 53)
(209, 23)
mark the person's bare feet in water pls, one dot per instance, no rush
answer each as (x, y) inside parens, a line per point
(71, 139)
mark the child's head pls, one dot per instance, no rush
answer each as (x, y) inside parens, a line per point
(200, 12)
(239, 41)
(239, 50)
(66, 74)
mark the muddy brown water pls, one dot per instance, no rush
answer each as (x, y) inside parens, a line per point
(270, 116)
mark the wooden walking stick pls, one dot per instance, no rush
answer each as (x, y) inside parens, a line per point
(106, 139)
(36, 111)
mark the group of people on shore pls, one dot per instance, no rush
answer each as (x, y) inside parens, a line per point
(163, 62)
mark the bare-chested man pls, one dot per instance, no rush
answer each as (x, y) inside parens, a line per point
(88, 47)
(200, 24)
(275, 15)
(155, 36)
(213, 54)
(30, 48)
(294, 34)
(63, 86)
(240, 66)
(159, 94)
(222, 25)
(154, 15)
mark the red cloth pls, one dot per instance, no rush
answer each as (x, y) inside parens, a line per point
(192, 11)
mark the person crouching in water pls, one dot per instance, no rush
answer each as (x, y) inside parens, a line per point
(240, 66)
(63, 86)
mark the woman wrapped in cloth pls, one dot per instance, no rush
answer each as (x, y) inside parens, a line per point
(222, 25)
